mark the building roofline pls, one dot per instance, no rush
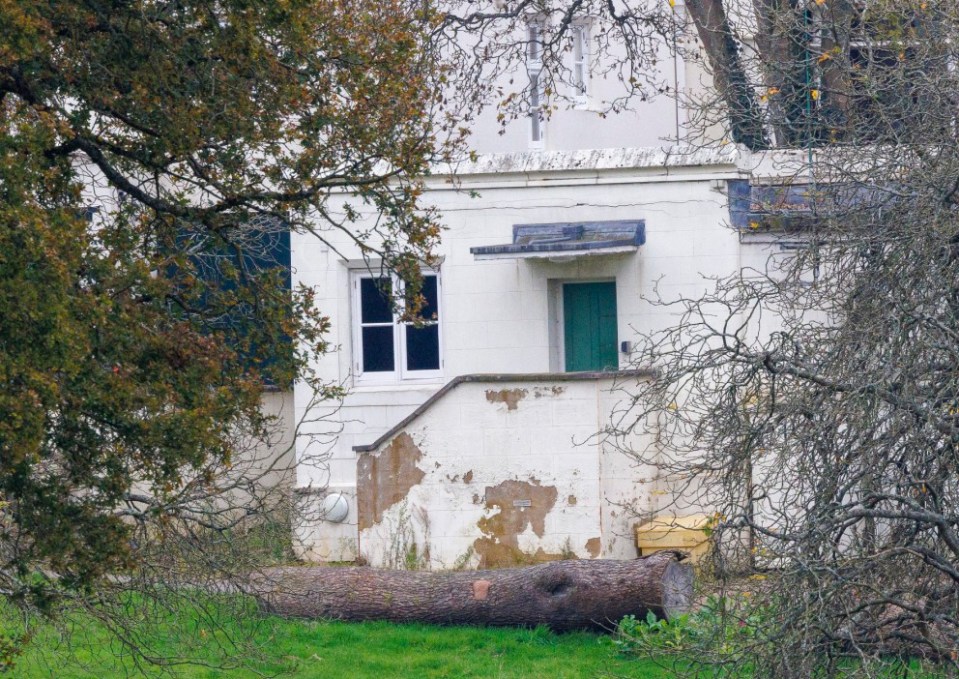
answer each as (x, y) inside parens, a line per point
(651, 158)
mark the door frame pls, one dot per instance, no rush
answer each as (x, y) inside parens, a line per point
(556, 315)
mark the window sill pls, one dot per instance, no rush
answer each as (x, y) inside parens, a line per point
(361, 387)
(786, 240)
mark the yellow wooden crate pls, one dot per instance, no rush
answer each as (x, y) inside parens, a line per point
(683, 533)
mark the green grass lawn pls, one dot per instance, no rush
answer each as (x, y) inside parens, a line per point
(229, 638)
(302, 649)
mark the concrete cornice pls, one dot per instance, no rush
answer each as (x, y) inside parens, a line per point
(591, 160)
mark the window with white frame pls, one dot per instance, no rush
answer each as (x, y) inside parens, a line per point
(537, 89)
(580, 66)
(386, 347)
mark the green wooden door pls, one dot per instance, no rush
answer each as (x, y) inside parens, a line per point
(589, 321)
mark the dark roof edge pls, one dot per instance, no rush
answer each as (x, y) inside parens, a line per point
(559, 248)
(495, 378)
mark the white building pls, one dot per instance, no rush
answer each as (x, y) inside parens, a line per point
(471, 441)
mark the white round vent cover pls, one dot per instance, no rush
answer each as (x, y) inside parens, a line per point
(335, 508)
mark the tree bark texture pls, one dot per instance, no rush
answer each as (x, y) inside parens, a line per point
(784, 52)
(566, 595)
(722, 50)
(837, 70)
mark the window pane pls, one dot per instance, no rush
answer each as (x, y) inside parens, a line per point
(430, 310)
(375, 300)
(378, 349)
(536, 126)
(423, 348)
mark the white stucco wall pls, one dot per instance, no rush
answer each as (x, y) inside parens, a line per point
(501, 472)
(652, 118)
(496, 315)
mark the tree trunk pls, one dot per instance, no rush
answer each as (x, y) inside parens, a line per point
(783, 42)
(565, 595)
(729, 74)
(837, 70)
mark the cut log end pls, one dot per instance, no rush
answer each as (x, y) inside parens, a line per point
(677, 589)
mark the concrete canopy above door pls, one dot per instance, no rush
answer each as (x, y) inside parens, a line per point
(568, 240)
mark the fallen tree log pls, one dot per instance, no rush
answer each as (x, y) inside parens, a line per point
(566, 595)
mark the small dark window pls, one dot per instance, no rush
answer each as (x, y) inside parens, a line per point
(375, 302)
(423, 348)
(378, 349)
(388, 345)
(423, 343)
(429, 310)
(376, 325)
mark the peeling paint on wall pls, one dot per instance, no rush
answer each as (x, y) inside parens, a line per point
(474, 484)
(499, 545)
(386, 478)
(552, 391)
(511, 397)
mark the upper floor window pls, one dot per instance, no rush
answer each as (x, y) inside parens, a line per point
(580, 65)
(534, 43)
(388, 348)
(537, 89)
